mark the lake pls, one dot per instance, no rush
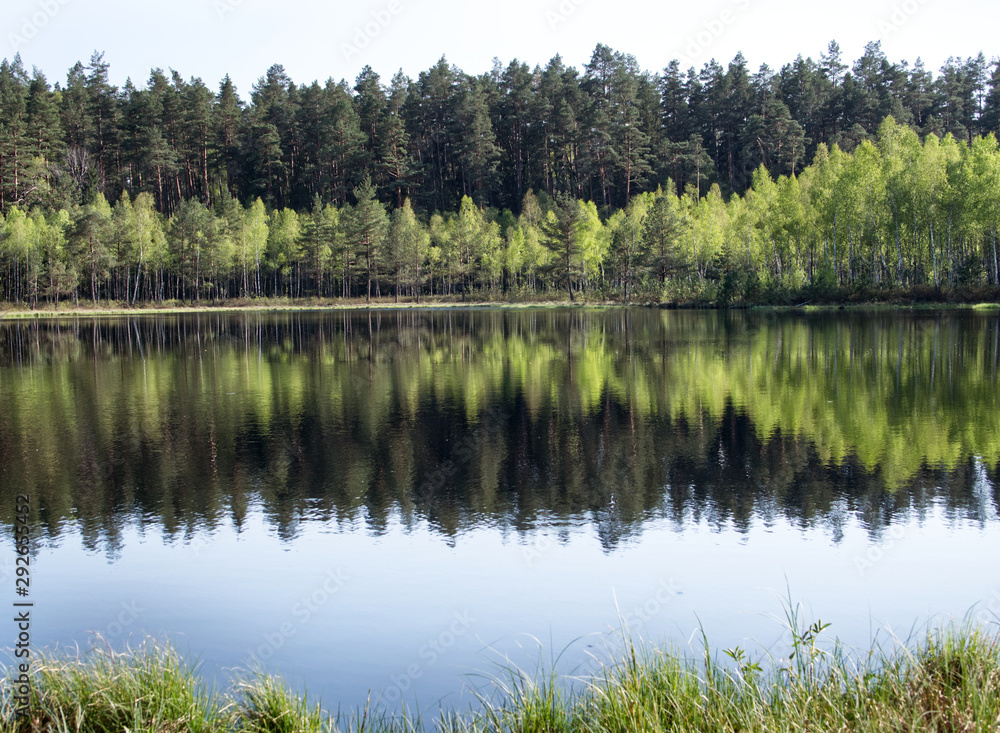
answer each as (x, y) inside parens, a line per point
(399, 501)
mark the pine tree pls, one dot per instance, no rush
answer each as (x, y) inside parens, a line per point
(370, 102)
(394, 142)
(227, 131)
(198, 100)
(102, 107)
(630, 140)
(342, 151)
(366, 225)
(662, 229)
(15, 146)
(559, 235)
(478, 152)
(513, 129)
(42, 114)
(274, 138)
(431, 123)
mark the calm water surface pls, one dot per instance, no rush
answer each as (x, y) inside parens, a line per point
(398, 501)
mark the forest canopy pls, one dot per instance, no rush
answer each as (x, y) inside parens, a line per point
(720, 183)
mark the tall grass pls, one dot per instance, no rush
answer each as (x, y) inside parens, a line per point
(147, 688)
(949, 680)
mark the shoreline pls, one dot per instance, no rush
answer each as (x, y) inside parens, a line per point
(48, 312)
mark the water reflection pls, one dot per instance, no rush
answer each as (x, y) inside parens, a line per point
(505, 419)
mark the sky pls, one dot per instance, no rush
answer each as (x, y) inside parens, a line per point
(319, 40)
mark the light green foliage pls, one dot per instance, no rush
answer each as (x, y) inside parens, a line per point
(536, 255)
(61, 274)
(189, 234)
(284, 248)
(895, 213)
(408, 246)
(515, 255)
(491, 255)
(469, 238)
(624, 243)
(140, 242)
(253, 241)
(592, 240)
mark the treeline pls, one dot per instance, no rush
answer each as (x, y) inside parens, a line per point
(602, 134)
(614, 181)
(896, 213)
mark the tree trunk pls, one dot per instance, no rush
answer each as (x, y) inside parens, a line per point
(138, 271)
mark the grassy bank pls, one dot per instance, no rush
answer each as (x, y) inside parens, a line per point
(86, 309)
(916, 297)
(950, 681)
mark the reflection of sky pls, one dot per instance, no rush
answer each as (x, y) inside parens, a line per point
(219, 599)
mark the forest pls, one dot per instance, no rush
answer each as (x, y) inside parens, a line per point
(720, 185)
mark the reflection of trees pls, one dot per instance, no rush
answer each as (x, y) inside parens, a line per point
(512, 418)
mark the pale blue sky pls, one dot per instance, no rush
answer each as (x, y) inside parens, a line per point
(317, 40)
